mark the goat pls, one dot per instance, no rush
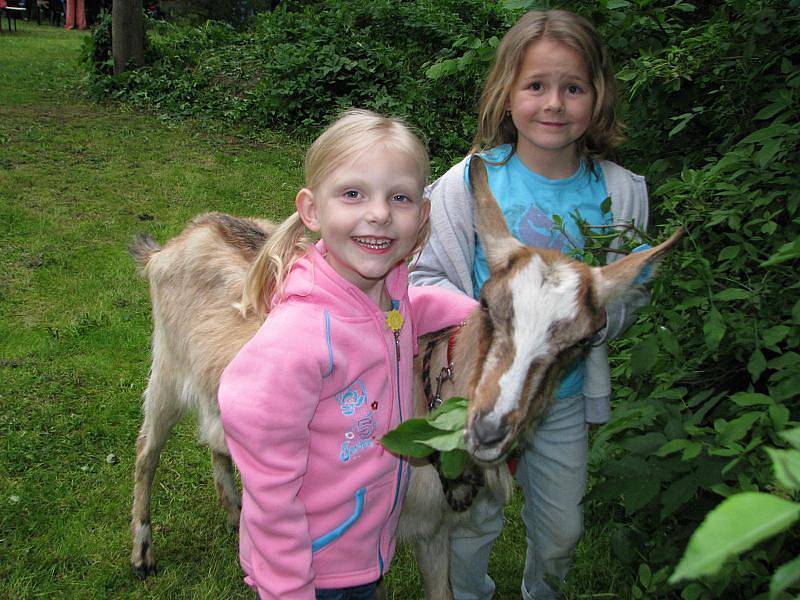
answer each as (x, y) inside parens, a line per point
(536, 308)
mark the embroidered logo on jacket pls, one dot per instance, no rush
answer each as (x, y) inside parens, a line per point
(354, 405)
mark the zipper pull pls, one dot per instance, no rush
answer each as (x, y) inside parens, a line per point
(394, 321)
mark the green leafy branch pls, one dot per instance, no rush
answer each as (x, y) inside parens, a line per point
(476, 52)
(598, 239)
(442, 430)
(743, 520)
(788, 251)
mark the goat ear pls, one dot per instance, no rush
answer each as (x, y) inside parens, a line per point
(612, 280)
(497, 242)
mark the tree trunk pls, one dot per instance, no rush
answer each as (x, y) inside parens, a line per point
(127, 34)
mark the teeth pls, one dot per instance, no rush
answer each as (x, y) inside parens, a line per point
(373, 244)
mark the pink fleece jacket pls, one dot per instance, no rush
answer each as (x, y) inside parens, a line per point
(303, 406)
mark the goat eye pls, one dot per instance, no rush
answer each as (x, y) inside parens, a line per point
(484, 305)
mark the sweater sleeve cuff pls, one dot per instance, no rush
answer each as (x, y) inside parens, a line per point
(597, 410)
(602, 334)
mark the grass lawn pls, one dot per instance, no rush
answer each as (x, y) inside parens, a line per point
(77, 181)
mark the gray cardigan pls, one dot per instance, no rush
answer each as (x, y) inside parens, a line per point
(447, 260)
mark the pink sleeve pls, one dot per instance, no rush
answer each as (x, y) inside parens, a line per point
(435, 308)
(267, 398)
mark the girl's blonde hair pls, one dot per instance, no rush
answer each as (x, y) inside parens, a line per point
(495, 126)
(353, 134)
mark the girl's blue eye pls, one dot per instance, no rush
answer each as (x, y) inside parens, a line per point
(401, 198)
(352, 194)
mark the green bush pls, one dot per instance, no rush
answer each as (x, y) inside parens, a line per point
(745, 519)
(196, 12)
(96, 52)
(711, 372)
(305, 62)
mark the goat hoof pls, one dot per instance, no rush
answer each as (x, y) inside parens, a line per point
(143, 571)
(233, 518)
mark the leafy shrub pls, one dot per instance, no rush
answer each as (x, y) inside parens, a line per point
(305, 62)
(197, 12)
(711, 372)
(743, 520)
(96, 49)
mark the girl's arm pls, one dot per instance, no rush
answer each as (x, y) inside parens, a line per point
(621, 313)
(447, 259)
(629, 204)
(267, 398)
(434, 308)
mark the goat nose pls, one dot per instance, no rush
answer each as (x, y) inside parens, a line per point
(486, 432)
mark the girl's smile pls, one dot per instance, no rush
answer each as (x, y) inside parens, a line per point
(375, 245)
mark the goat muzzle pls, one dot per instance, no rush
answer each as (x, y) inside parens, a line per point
(487, 439)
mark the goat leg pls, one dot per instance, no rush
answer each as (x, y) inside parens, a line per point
(433, 559)
(153, 435)
(225, 483)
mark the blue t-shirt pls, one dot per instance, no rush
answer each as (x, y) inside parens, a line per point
(529, 202)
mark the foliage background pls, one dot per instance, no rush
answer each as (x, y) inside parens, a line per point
(710, 373)
(196, 12)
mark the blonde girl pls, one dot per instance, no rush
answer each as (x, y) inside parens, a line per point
(546, 124)
(306, 400)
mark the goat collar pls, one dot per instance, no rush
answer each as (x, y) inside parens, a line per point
(467, 484)
(446, 374)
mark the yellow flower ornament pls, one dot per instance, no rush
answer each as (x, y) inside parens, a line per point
(394, 320)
